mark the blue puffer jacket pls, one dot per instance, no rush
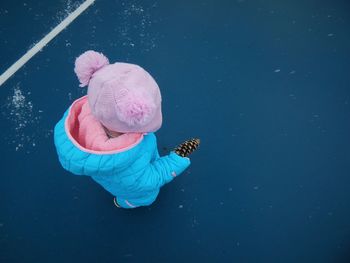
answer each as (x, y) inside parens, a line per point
(134, 176)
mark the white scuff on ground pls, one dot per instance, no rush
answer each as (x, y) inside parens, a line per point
(23, 118)
(134, 26)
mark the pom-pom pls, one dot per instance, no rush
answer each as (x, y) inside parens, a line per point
(135, 111)
(87, 64)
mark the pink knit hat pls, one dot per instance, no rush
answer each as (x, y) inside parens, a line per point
(123, 97)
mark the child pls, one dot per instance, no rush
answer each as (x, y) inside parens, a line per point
(109, 134)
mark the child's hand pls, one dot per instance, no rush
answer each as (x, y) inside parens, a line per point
(186, 148)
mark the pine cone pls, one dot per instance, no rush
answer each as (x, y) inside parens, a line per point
(186, 148)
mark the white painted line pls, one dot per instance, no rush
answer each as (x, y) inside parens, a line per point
(43, 42)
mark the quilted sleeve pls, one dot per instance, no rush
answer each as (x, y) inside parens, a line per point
(163, 170)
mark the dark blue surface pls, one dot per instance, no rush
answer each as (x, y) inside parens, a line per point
(264, 84)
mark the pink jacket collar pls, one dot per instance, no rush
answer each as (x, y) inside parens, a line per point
(86, 132)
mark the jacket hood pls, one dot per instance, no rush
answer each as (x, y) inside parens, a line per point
(76, 157)
(88, 134)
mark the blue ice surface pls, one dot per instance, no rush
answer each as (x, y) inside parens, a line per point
(264, 84)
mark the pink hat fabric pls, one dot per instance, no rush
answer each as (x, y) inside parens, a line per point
(122, 96)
